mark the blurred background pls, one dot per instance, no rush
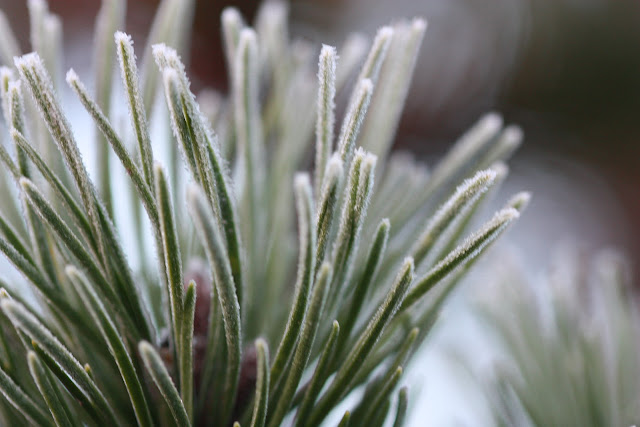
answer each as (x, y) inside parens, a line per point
(566, 71)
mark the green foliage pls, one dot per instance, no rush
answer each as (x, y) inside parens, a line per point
(88, 337)
(569, 346)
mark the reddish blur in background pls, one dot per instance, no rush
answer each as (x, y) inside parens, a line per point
(568, 71)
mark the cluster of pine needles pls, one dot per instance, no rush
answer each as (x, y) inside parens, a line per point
(252, 292)
(567, 342)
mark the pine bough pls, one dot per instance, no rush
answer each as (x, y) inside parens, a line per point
(568, 345)
(242, 333)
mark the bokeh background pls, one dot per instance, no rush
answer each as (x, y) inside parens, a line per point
(566, 71)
